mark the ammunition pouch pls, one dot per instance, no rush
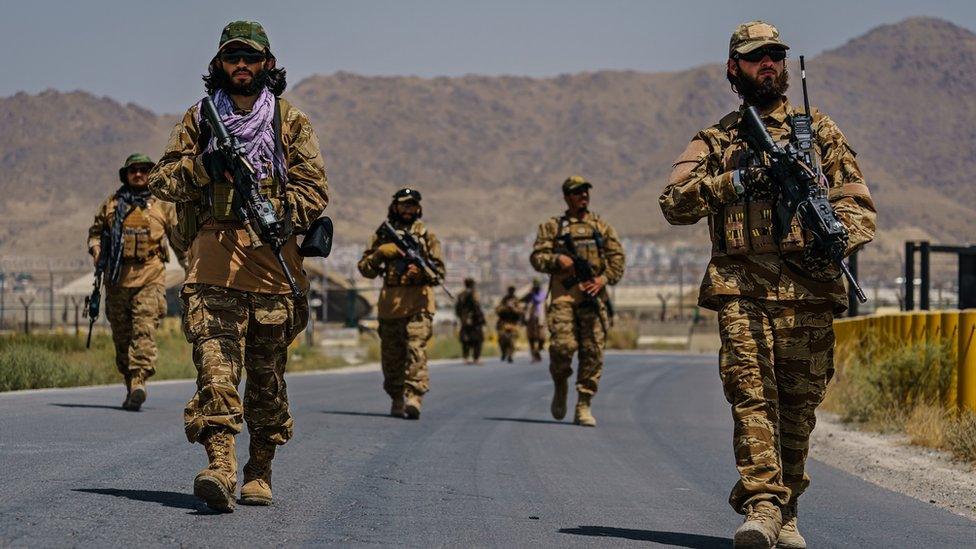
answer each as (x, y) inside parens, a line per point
(748, 228)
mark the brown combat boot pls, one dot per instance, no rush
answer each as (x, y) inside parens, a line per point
(397, 409)
(257, 473)
(583, 415)
(789, 535)
(761, 528)
(217, 483)
(558, 406)
(128, 392)
(137, 392)
(412, 402)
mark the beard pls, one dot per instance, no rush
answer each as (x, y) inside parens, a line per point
(763, 91)
(407, 217)
(254, 87)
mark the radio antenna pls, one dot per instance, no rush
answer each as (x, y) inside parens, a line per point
(803, 80)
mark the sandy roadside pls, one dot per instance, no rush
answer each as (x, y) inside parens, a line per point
(890, 462)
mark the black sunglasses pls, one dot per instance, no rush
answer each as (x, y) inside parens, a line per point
(755, 56)
(249, 56)
(138, 169)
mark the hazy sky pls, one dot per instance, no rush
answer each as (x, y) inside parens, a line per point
(152, 53)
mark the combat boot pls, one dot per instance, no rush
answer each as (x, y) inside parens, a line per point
(761, 528)
(583, 415)
(789, 535)
(128, 392)
(137, 394)
(257, 473)
(216, 484)
(411, 406)
(397, 409)
(558, 406)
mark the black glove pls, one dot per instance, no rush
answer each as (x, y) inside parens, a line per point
(816, 260)
(756, 181)
(214, 162)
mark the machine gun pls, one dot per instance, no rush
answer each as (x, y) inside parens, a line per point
(411, 255)
(801, 194)
(583, 271)
(93, 302)
(255, 211)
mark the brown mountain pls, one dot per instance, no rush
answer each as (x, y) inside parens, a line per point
(490, 152)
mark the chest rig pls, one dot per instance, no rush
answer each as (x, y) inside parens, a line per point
(749, 226)
(588, 240)
(137, 244)
(395, 271)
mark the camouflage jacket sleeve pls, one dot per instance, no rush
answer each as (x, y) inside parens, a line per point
(695, 187)
(435, 256)
(370, 265)
(100, 224)
(308, 188)
(543, 257)
(847, 192)
(179, 174)
(175, 240)
(613, 252)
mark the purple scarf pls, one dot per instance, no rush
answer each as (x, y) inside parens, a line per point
(255, 131)
(537, 299)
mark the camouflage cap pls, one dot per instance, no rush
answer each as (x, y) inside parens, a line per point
(407, 194)
(754, 35)
(575, 182)
(137, 158)
(250, 33)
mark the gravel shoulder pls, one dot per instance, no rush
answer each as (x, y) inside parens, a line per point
(890, 461)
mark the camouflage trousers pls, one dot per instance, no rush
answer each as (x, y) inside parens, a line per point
(507, 334)
(134, 314)
(472, 338)
(537, 338)
(775, 363)
(577, 327)
(233, 330)
(403, 354)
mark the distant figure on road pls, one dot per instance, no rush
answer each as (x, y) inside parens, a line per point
(774, 289)
(406, 304)
(578, 310)
(135, 226)
(238, 309)
(509, 313)
(533, 303)
(471, 318)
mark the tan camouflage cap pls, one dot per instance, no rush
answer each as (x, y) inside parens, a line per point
(575, 182)
(754, 35)
(250, 33)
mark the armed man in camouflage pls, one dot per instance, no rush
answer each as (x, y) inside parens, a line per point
(509, 316)
(238, 311)
(467, 307)
(134, 226)
(533, 303)
(578, 310)
(405, 308)
(776, 295)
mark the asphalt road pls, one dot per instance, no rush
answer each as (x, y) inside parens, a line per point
(485, 466)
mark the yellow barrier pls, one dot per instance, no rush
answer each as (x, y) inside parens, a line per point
(957, 329)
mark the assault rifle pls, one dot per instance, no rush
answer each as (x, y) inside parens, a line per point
(93, 302)
(801, 195)
(583, 271)
(412, 255)
(255, 211)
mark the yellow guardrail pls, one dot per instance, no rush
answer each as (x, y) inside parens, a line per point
(956, 329)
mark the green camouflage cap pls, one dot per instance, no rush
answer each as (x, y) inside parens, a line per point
(575, 182)
(250, 33)
(137, 158)
(754, 35)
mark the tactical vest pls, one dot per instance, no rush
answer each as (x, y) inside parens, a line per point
(588, 239)
(747, 226)
(137, 243)
(392, 275)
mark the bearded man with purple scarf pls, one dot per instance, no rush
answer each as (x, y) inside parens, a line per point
(238, 312)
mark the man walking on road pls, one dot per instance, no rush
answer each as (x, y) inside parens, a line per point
(471, 318)
(774, 289)
(509, 313)
(134, 227)
(238, 309)
(405, 308)
(533, 303)
(582, 254)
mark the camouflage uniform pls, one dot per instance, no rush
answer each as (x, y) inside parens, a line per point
(534, 318)
(472, 321)
(776, 321)
(137, 302)
(237, 308)
(577, 323)
(509, 313)
(405, 310)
